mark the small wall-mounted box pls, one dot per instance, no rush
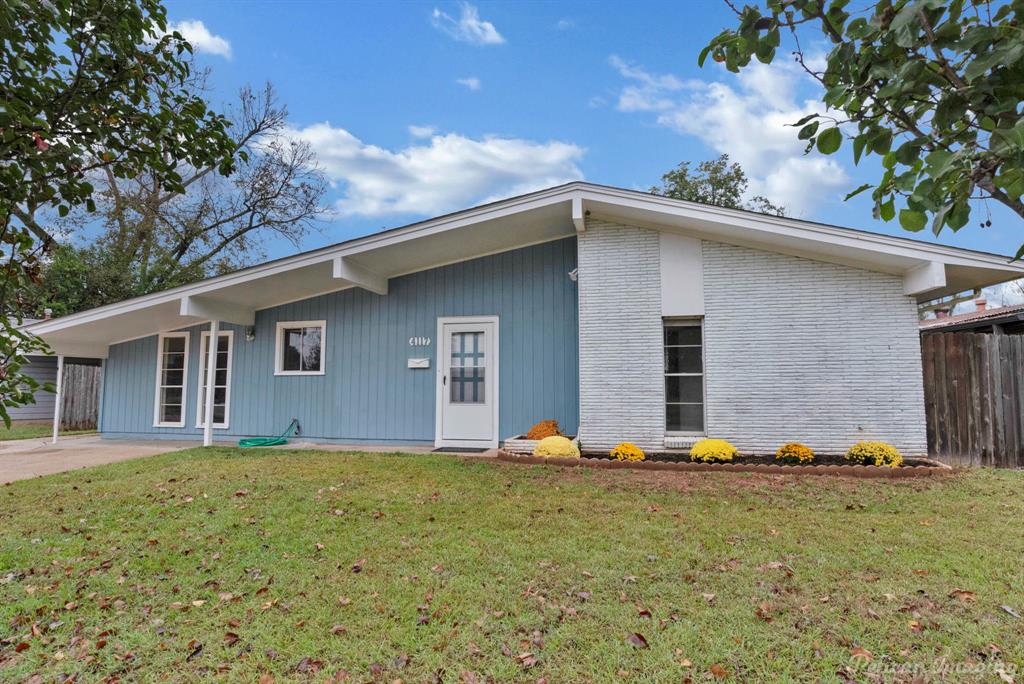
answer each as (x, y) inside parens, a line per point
(419, 363)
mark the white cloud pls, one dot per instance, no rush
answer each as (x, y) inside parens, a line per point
(196, 33)
(422, 131)
(447, 172)
(748, 120)
(468, 28)
(471, 82)
(649, 92)
(564, 24)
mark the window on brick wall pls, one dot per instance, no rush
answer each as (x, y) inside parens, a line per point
(684, 377)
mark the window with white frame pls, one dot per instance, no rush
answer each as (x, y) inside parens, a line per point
(171, 379)
(299, 347)
(221, 379)
(684, 377)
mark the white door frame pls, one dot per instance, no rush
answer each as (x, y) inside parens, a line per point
(439, 441)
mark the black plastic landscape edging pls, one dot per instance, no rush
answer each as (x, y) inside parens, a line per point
(865, 471)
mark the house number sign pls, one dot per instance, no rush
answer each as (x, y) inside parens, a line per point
(419, 341)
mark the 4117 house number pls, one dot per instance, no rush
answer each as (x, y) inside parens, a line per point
(419, 341)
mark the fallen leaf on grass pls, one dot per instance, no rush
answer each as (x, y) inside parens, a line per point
(637, 639)
(309, 665)
(22, 646)
(338, 629)
(526, 660)
(915, 626)
(266, 678)
(962, 594)
(861, 653)
(230, 638)
(194, 648)
(719, 671)
(1011, 611)
(357, 567)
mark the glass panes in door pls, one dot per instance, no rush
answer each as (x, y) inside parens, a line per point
(468, 376)
(173, 354)
(221, 380)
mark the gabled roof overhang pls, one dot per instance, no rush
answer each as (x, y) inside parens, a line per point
(929, 271)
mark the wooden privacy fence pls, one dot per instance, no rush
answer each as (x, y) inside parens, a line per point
(81, 389)
(974, 398)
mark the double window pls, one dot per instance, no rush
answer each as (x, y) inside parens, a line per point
(221, 379)
(299, 346)
(684, 377)
(171, 379)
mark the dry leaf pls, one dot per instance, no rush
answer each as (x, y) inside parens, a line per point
(636, 639)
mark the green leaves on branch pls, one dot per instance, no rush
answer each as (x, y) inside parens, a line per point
(934, 88)
(88, 85)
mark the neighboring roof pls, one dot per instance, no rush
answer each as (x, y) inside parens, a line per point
(929, 270)
(975, 318)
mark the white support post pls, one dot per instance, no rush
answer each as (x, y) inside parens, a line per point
(58, 403)
(211, 376)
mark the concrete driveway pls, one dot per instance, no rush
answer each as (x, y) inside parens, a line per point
(25, 458)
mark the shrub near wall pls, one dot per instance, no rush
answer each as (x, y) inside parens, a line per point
(713, 451)
(556, 447)
(794, 452)
(875, 453)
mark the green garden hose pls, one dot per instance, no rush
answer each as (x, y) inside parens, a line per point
(271, 441)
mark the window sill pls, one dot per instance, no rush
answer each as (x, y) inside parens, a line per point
(298, 373)
(200, 426)
(169, 425)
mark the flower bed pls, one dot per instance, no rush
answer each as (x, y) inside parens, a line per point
(824, 465)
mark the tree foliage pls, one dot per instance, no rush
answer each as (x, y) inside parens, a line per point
(153, 238)
(932, 87)
(89, 86)
(716, 182)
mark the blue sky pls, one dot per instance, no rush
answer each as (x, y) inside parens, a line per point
(415, 109)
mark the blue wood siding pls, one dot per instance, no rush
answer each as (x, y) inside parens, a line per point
(367, 393)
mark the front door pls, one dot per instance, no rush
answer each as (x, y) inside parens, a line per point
(467, 382)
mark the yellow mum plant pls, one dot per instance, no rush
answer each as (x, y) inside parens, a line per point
(712, 450)
(877, 453)
(556, 447)
(628, 451)
(794, 452)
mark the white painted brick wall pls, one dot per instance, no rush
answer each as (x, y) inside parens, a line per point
(621, 386)
(809, 351)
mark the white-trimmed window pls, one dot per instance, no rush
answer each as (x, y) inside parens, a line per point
(221, 379)
(171, 379)
(684, 377)
(299, 347)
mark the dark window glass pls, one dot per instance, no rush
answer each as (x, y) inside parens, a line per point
(301, 349)
(686, 389)
(683, 360)
(682, 334)
(684, 417)
(684, 378)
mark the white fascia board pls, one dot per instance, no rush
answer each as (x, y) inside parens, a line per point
(211, 310)
(814, 232)
(579, 218)
(80, 349)
(346, 269)
(927, 276)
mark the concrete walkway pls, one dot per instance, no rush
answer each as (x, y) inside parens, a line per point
(24, 458)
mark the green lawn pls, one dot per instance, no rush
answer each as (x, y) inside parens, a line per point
(34, 431)
(422, 568)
